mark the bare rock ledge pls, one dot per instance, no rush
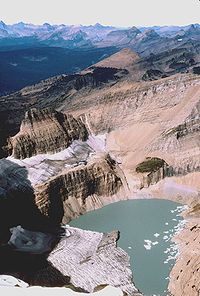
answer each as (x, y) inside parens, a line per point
(91, 259)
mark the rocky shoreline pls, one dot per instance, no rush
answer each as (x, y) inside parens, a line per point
(85, 259)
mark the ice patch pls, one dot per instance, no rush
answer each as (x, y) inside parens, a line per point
(10, 281)
(148, 244)
(44, 166)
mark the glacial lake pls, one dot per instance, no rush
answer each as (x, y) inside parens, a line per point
(146, 228)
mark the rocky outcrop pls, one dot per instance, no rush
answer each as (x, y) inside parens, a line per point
(124, 59)
(152, 170)
(153, 74)
(92, 259)
(83, 259)
(49, 93)
(182, 141)
(185, 275)
(77, 190)
(44, 131)
(87, 259)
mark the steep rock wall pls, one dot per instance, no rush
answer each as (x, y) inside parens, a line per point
(185, 275)
(45, 131)
(65, 196)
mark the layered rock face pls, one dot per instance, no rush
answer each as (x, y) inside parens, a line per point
(185, 274)
(157, 119)
(84, 254)
(50, 93)
(85, 259)
(152, 170)
(89, 260)
(45, 131)
(183, 141)
(78, 190)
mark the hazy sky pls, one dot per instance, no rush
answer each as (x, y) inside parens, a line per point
(107, 12)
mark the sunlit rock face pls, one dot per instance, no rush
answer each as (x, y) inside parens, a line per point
(86, 259)
(45, 131)
(52, 187)
(92, 258)
(185, 273)
(78, 189)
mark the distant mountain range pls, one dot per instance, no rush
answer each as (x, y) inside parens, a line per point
(56, 35)
(71, 36)
(30, 53)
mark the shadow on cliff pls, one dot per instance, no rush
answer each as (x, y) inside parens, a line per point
(17, 207)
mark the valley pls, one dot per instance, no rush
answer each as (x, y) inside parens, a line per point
(123, 127)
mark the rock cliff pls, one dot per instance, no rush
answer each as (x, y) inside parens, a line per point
(48, 255)
(185, 278)
(44, 131)
(82, 259)
(155, 120)
(50, 93)
(84, 254)
(78, 190)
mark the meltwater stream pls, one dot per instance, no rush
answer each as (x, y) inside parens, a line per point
(146, 228)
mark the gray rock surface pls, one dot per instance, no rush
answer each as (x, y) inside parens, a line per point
(92, 259)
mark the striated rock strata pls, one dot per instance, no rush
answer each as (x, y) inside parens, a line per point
(184, 277)
(92, 259)
(82, 259)
(77, 190)
(45, 131)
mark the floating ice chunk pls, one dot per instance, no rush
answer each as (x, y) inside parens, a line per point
(147, 247)
(148, 244)
(130, 248)
(154, 243)
(166, 223)
(156, 234)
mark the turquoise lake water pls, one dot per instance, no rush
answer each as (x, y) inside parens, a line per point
(146, 227)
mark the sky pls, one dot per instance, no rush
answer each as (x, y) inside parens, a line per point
(121, 13)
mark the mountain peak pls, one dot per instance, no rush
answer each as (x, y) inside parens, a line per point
(46, 25)
(123, 59)
(98, 25)
(2, 25)
(134, 29)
